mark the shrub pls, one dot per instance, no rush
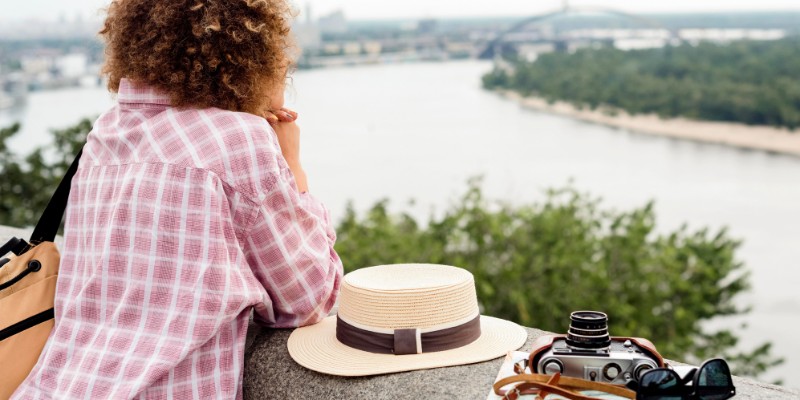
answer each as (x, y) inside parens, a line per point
(536, 263)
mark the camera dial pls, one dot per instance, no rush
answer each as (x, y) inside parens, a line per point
(611, 371)
(553, 366)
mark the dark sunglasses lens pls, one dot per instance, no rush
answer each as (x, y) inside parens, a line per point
(714, 381)
(659, 384)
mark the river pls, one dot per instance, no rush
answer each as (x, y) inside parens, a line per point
(419, 131)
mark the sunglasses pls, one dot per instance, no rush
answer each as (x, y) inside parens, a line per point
(712, 381)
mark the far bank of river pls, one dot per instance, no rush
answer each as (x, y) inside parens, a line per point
(764, 138)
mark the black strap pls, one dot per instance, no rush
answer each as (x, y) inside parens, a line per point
(27, 323)
(14, 245)
(21, 275)
(47, 227)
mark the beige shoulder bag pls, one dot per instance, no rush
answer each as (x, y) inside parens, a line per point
(27, 291)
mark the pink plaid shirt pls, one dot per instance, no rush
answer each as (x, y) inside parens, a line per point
(179, 221)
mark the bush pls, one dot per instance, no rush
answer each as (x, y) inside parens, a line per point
(536, 263)
(27, 183)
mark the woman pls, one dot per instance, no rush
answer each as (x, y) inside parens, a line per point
(189, 208)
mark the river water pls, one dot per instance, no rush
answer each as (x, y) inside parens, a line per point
(419, 131)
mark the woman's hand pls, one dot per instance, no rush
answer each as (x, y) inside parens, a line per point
(283, 122)
(282, 115)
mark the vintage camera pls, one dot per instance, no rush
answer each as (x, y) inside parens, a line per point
(588, 352)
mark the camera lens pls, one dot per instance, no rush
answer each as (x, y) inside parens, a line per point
(588, 330)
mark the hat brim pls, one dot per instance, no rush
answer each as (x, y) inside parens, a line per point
(316, 348)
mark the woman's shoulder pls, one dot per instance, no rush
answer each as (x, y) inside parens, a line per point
(237, 131)
(241, 148)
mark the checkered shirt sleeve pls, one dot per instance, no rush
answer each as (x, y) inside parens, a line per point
(291, 238)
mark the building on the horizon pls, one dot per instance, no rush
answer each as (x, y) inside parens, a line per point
(334, 22)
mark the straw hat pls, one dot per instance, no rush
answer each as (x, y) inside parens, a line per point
(404, 317)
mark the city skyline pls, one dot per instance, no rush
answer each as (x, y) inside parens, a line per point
(53, 10)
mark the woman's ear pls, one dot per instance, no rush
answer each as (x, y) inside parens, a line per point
(276, 91)
(275, 96)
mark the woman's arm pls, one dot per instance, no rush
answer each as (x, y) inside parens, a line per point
(290, 245)
(290, 251)
(289, 139)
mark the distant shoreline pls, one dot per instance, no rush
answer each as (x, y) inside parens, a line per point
(764, 138)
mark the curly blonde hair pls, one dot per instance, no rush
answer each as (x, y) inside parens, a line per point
(202, 53)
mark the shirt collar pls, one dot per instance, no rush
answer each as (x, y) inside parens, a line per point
(136, 93)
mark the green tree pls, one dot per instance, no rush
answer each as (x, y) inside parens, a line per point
(27, 183)
(752, 82)
(535, 263)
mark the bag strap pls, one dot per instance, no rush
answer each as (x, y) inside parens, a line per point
(14, 245)
(47, 227)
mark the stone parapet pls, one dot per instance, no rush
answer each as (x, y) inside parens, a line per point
(271, 374)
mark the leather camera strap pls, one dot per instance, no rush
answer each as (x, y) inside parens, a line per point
(561, 385)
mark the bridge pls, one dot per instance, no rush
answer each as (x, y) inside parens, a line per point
(510, 41)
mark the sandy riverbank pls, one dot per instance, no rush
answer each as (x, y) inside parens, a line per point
(731, 134)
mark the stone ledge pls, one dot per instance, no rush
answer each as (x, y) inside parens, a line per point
(270, 373)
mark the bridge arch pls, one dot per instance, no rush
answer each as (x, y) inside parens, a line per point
(493, 47)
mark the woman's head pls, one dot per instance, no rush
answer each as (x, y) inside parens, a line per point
(231, 54)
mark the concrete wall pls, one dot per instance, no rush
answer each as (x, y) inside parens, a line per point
(271, 373)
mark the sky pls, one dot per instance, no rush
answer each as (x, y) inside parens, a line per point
(400, 9)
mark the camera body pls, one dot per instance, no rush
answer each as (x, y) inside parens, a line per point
(588, 352)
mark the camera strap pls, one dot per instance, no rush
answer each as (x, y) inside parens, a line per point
(564, 386)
